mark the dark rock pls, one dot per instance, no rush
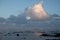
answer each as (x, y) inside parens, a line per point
(17, 34)
(44, 35)
(57, 35)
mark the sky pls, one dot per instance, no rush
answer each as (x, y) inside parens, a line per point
(15, 7)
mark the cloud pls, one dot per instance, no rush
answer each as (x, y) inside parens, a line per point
(36, 12)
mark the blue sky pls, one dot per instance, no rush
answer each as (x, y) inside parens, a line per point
(15, 7)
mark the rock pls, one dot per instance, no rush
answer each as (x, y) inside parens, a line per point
(17, 34)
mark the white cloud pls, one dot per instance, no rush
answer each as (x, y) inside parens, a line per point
(37, 12)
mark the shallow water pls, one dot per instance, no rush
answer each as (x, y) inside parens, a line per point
(26, 36)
